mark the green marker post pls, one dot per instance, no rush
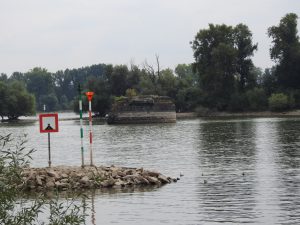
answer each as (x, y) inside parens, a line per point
(81, 129)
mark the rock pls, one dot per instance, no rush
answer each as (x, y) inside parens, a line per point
(39, 180)
(130, 177)
(151, 173)
(129, 172)
(108, 183)
(66, 178)
(142, 180)
(52, 173)
(50, 184)
(61, 185)
(153, 180)
(121, 173)
(84, 180)
(163, 179)
(114, 174)
(119, 183)
(63, 176)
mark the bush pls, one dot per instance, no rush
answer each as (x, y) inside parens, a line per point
(14, 211)
(238, 102)
(257, 99)
(278, 102)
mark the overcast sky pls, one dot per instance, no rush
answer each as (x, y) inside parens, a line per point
(60, 34)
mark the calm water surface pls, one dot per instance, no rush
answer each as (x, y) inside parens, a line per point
(236, 171)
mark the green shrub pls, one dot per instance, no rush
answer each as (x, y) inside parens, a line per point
(257, 99)
(278, 102)
(13, 209)
(238, 102)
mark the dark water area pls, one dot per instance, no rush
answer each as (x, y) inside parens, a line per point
(236, 171)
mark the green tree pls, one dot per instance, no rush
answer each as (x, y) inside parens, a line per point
(40, 83)
(118, 80)
(186, 75)
(167, 83)
(286, 52)
(245, 49)
(18, 76)
(102, 99)
(3, 77)
(3, 99)
(223, 58)
(256, 99)
(269, 81)
(215, 58)
(15, 101)
(50, 101)
(278, 102)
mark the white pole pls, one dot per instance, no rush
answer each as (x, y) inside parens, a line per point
(91, 133)
(81, 129)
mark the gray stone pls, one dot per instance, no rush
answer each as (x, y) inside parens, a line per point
(121, 173)
(163, 179)
(39, 180)
(50, 184)
(84, 180)
(152, 173)
(52, 173)
(63, 176)
(119, 183)
(108, 183)
(152, 180)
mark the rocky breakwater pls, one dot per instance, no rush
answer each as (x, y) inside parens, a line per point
(77, 178)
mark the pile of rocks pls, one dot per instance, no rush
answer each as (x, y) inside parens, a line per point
(68, 178)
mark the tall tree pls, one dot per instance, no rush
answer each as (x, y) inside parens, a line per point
(286, 51)
(118, 80)
(245, 49)
(222, 58)
(40, 83)
(15, 101)
(214, 54)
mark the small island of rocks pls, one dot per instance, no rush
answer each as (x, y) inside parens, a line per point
(90, 177)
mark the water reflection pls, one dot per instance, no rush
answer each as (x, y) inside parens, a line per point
(226, 152)
(288, 164)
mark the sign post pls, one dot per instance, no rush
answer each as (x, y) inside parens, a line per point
(48, 124)
(81, 129)
(89, 95)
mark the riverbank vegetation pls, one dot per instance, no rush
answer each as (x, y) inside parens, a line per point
(15, 207)
(223, 77)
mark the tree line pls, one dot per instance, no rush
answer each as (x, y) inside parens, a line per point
(222, 77)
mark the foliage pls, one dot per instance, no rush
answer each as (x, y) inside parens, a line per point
(15, 101)
(40, 83)
(222, 59)
(256, 99)
(131, 93)
(269, 81)
(278, 102)
(14, 210)
(238, 102)
(286, 51)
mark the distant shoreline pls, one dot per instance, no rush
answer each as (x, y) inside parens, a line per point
(190, 115)
(193, 115)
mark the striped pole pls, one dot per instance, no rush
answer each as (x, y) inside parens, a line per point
(81, 129)
(90, 96)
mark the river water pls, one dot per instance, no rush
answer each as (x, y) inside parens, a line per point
(235, 171)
